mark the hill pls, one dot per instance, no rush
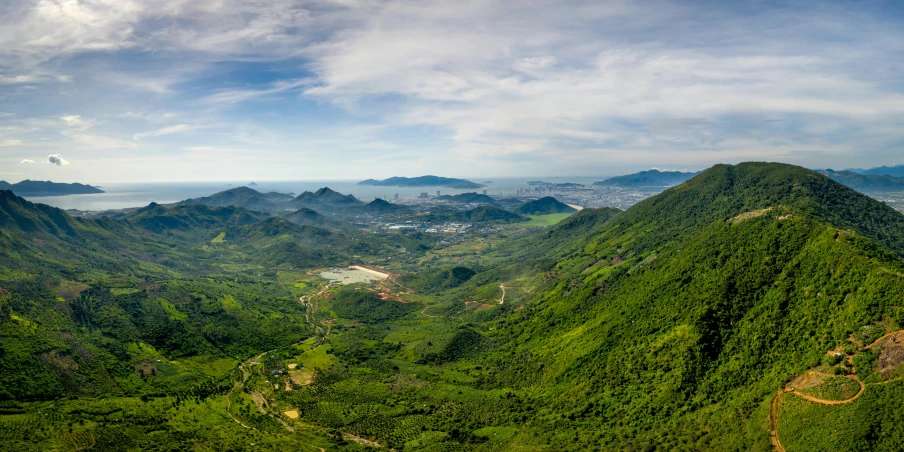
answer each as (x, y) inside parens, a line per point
(545, 206)
(380, 206)
(651, 178)
(305, 216)
(896, 171)
(47, 188)
(325, 198)
(708, 298)
(158, 219)
(673, 325)
(490, 214)
(422, 181)
(244, 197)
(866, 182)
(468, 198)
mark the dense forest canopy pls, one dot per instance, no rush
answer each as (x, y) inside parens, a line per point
(755, 306)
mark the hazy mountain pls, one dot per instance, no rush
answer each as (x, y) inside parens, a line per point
(157, 218)
(47, 188)
(651, 178)
(490, 214)
(545, 206)
(896, 171)
(325, 198)
(244, 197)
(866, 182)
(380, 206)
(422, 181)
(468, 198)
(305, 216)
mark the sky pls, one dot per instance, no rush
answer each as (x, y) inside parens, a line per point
(204, 90)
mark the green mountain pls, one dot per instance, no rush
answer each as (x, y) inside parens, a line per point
(544, 206)
(489, 214)
(676, 323)
(381, 206)
(755, 306)
(47, 188)
(866, 183)
(651, 178)
(468, 198)
(191, 217)
(243, 197)
(422, 181)
(325, 198)
(305, 216)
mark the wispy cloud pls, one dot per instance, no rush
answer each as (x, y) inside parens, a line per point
(77, 122)
(232, 96)
(27, 161)
(569, 84)
(178, 128)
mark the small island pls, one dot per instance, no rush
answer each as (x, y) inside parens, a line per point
(422, 181)
(48, 188)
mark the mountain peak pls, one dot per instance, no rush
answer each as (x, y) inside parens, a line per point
(725, 191)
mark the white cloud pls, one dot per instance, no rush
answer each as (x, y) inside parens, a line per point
(232, 96)
(77, 122)
(178, 128)
(26, 161)
(57, 160)
(477, 79)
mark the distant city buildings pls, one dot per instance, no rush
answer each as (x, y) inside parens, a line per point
(424, 195)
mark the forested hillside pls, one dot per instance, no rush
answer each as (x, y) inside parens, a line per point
(754, 307)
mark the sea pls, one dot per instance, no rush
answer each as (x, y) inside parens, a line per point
(129, 195)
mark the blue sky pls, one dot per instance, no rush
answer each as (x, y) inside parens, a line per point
(123, 90)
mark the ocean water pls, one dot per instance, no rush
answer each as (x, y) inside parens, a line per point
(122, 196)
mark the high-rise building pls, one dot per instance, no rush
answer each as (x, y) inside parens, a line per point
(396, 197)
(424, 194)
(437, 193)
(484, 192)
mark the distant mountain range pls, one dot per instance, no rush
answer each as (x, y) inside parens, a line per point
(651, 178)
(545, 206)
(273, 202)
(896, 171)
(47, 188)
(864, 182)
(422, 181)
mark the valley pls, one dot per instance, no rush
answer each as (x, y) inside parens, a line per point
(662, 327)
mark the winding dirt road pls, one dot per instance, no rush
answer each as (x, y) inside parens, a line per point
(775, 406)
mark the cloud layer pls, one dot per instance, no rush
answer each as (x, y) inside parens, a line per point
(469, 88)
